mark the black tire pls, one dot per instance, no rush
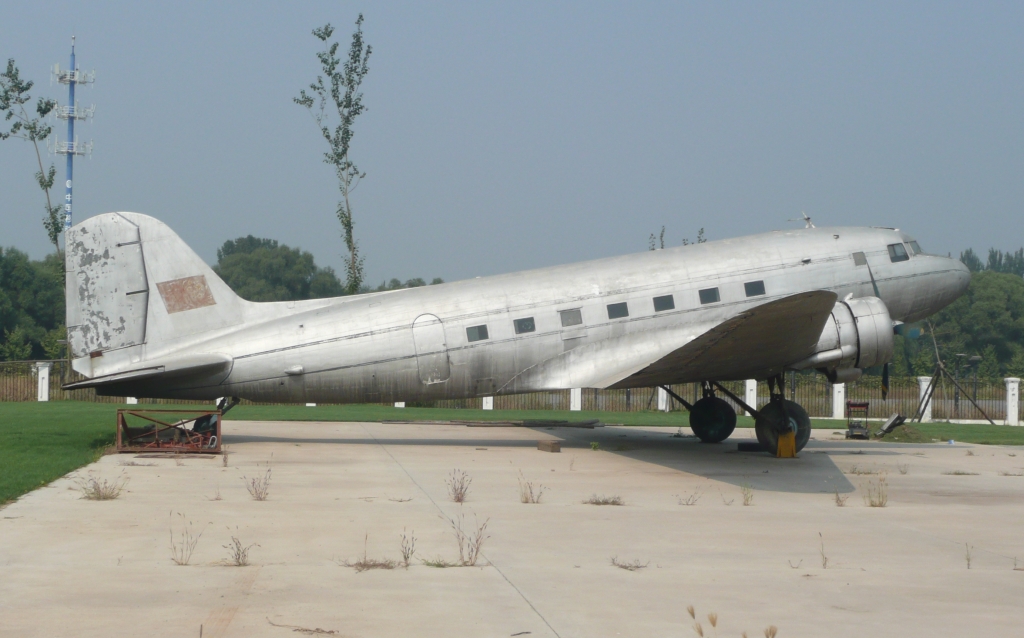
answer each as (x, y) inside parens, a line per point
(769, 424)
(712, 419)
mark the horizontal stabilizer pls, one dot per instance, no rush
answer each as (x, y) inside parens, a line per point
(166, 370)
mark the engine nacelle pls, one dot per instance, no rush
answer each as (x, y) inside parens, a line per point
(857, 335)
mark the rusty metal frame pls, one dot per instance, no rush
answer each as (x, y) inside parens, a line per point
(187, 440)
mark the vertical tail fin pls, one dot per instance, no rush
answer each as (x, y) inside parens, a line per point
(136, 291)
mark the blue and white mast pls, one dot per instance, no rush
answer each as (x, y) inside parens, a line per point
(72, 112)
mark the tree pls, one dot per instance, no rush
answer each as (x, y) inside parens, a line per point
(14, 95)
(260, 269)
(338, 89)
(31, 306)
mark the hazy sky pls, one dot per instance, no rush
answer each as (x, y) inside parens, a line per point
(506, 136)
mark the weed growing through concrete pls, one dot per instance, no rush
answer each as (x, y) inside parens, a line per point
(748, 494)
(408, 547)
(366, 563)
(94, 489)
(224, 458)
(878, 493)
(771, 631)
(725, 501)
(902, 467)
(629, 566)
(185, 542)
(527, 492)
(604, 500)
(824, 556)
(458, 485)
(860, 471)
(238, 554)
(1005, 473)
(438, 562)
(303, 630)
(572, 464)
(470, 541)
(594, 445)
(797, 566)
(259, 487)
(178, 461)
(216, 497)
(969, 453)
(959, 473)
(967, 554)
(691, 498)
(840, 499)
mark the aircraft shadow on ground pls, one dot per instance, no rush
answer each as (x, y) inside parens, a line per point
(814, 472)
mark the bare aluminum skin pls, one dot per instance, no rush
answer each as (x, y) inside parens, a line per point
(147, 317)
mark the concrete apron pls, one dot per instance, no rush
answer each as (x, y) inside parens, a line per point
(71, 567)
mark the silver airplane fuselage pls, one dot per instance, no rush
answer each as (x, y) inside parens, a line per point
(483, 336)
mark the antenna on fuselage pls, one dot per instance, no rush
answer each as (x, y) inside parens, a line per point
(806, 220)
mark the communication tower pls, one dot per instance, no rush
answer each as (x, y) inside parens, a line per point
(72, 112)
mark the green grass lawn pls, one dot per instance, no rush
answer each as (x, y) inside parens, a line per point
(40, 442)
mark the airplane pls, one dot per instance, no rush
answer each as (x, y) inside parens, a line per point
(148, 317)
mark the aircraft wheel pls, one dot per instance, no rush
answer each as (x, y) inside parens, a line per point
(712, 419)
(771, 422)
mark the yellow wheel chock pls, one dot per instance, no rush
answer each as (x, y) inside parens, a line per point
(787, 446)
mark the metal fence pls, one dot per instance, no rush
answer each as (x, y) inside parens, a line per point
(812, 391)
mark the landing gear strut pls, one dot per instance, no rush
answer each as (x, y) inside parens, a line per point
(780, 418)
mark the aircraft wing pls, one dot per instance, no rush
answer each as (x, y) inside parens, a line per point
(756, 343)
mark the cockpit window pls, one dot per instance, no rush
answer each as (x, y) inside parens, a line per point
(916, 247)
(898, 253)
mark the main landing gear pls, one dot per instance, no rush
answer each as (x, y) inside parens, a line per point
(781, 421)
(712, 419)
(782, 426)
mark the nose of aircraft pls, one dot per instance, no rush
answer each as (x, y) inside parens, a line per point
(962, 280)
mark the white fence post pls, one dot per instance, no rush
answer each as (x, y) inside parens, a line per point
(662, 400)
(576, 399)
(43, 379)
(750, 393)
(922, 384)
(1012, 398)
(133, 400)
(839, 401)
(488, 403)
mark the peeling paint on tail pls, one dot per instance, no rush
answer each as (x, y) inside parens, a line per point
(107, 290)
(114, 261)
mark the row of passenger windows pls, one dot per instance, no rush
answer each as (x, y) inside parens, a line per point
(574, 317)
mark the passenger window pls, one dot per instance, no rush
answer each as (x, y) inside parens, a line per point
(618, 310)
(709, 295)
(916, 247)
(664, 303)
(897, 253)
(524, 325)
(859, 259)
(754, 288)
(571, 317)
(476, 333)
